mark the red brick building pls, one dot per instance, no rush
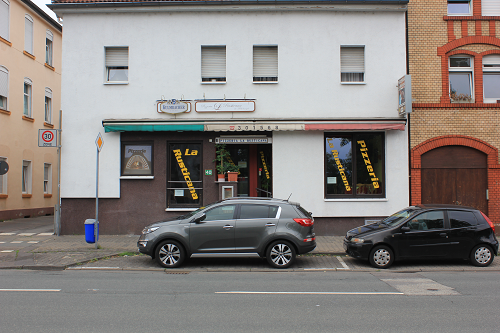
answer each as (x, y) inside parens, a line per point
(454, 61)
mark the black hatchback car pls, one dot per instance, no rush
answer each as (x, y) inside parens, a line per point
(271, 228)
(425, 231)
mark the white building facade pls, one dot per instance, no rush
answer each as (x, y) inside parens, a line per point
(304, 95)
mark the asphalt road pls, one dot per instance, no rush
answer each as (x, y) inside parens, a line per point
(108, 301)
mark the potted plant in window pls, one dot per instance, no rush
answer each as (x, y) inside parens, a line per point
(232, 172)
(221, 155)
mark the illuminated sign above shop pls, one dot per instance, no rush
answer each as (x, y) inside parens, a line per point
(225, 106)
(173, 106)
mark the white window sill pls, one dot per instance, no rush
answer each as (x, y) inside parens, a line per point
(216, 82)
(115, 82)
(351, 83)
(469, 14)
(180, 209)
(137, 177)
(357, 200)
(265, 82)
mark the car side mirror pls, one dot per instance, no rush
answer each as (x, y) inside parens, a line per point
(200, 218)
(405, 229)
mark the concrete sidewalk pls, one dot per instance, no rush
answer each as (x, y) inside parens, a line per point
(120, 253)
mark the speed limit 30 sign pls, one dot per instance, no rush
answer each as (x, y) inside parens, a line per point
(47, 138)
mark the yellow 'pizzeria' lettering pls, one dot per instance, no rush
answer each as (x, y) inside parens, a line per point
(364, 154)
(184, 170)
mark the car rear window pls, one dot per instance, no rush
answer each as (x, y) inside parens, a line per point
(304, 212)
(258, 212)
(461, 219)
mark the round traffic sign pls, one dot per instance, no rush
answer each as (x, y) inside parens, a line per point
(4, 167)
(47, 136)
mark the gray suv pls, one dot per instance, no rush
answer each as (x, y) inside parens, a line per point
(271, 228)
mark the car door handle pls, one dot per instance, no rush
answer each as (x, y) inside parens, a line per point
(443, 234)
(270, 225)
(227, 226)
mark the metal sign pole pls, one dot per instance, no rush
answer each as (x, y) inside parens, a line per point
(96, 224)
(57, 215)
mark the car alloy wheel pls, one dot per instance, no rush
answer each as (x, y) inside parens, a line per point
(481, 256)
(381, 257)
(170, 254)
(280, 254)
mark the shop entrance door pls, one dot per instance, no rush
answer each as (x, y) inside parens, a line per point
(254, 176)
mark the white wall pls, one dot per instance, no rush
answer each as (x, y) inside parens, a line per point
(164, 60)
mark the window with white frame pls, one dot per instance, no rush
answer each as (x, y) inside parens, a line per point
(265, 63)
(491, 78)
(28, 34)
(461, 79)
(4, 19)
(459, 7)
(49, 38)
(116, 64)
(28, 84)
(3, 179)
(213, 63)
(352, 64)
(48, 105)
(47, 178)
(4, 87)
(490, 7)
(26, 177)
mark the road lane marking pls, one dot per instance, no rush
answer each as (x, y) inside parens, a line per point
(45, 234)
(7, 234)
(26, 234)
(342, 262)
(6, 251)
(33, 242)
(36, 290)
(308, 293)
(16, 242)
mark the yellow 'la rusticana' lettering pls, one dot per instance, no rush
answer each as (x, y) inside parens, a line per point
(184, 170)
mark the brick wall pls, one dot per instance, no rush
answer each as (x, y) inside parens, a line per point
(436, 121)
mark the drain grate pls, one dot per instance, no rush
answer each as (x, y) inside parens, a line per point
(169, 272)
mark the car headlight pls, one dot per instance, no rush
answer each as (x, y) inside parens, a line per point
(357, 240)
(148, 230)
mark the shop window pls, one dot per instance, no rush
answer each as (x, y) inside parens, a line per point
(116, 64)
(459, 7)
(490, 7)
(491, 78)
(354, 165)
(4, 19)
(4, 87)
(28, 34)
(48, 105)
(461, 74)
(137, 159)
(213, 63)
(184, 181)
(48, 47)
(47, 178)
(3, 179)
(265, 63)
(352, 64)
(27, 97)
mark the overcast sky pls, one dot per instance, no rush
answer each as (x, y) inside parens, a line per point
(41, 4)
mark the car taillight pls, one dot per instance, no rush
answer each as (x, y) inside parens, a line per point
(489, 222)
(304, 222)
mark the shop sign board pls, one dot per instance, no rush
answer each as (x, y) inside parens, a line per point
(243, 139)
(173, 106)
(404, 95)
(225, 106)
(254, 127)
(47, 138)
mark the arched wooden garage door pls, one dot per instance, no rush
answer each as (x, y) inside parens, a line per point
(455, 175)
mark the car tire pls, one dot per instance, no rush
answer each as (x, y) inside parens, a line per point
(280, 254)
(481, 255)
(381, 257)
(170, 254)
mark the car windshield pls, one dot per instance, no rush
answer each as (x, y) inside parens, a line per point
(398, 217)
